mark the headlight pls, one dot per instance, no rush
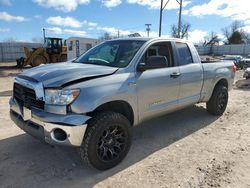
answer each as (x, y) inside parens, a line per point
(61, 97)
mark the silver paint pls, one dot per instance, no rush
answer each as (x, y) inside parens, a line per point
(149, 93)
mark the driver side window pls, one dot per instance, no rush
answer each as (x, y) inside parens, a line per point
(161, 49)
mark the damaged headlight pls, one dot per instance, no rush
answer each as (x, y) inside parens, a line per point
(61, 97)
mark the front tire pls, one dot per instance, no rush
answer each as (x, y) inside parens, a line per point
(218, 102)
(107, 140)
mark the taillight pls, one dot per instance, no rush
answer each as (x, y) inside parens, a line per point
(234, 68)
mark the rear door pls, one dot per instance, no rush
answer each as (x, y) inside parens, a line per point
(191, 74)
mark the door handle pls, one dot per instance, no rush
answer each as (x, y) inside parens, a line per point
(175, 74)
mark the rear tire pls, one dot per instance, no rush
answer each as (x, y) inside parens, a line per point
(218, 102)
(107, 140)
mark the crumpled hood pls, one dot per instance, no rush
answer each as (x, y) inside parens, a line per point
(59, 74)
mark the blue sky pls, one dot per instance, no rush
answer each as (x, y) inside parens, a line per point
(23, 20)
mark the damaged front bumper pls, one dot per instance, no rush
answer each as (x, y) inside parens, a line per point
(48, 127)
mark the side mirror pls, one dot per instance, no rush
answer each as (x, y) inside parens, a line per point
(141, 67)
(153, 62)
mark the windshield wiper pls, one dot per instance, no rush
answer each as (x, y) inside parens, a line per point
(96, 63)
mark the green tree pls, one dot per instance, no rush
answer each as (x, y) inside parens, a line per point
(235, 33)
(236, 38)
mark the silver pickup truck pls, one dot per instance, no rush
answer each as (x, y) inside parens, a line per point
(94, 101)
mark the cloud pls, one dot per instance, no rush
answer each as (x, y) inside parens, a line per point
(197, 35)
(58, 30)
(62, 5)
(235, 9)
(4, 30)
(75, 32)
(111, 3)
(9, 18)
(5, 2)
(246, 28)
(92, 24)
(54, 30)
(67, 21)
(114, 32)
(155, 4)
(39, 17)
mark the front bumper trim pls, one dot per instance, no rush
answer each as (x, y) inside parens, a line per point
(41, 125)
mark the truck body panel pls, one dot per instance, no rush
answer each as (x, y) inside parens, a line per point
(184, 81)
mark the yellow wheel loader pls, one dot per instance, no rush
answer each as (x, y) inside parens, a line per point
(53, 52)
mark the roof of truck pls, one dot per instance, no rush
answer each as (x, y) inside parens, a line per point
(147, 39)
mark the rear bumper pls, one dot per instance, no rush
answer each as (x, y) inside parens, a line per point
(51, 128)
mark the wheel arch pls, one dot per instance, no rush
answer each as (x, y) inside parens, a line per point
(119, 106)
(222, 82)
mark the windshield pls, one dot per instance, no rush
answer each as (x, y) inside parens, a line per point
(117, 53)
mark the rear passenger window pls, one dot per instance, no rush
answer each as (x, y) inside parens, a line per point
(184, 54)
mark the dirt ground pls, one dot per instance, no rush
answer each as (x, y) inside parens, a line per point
(188, 148)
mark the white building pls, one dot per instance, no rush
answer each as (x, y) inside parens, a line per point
(79, 45)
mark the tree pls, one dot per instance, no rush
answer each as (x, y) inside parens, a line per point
(211, 40)
(185, 28)
(106, 36)
(246, 37)
(235, 33)
(236, 38)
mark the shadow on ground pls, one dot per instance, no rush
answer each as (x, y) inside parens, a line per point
(25, 162)
(5, 93)
(12, 67)
(11, 70)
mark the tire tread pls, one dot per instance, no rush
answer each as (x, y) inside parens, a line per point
(95, 125)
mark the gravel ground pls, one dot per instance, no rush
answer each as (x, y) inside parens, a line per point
(188, 148)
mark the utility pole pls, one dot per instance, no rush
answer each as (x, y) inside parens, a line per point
(160, 18)
(161, 9)
(148, 28)
(179, 21)
(44, 37)
(118, 33)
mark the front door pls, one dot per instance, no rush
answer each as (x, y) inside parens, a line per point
(158, 89)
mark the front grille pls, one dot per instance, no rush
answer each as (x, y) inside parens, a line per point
(26, 97)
